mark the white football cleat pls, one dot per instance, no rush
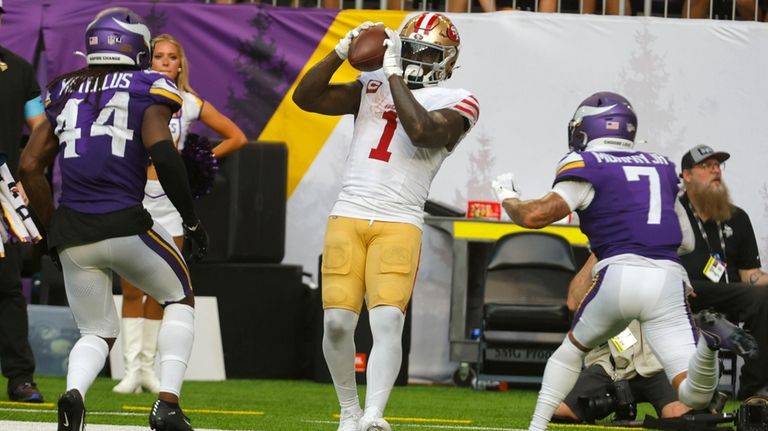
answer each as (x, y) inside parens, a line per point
(374, 424)
(350, 420)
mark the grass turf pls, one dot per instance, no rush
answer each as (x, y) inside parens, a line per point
(288, 405)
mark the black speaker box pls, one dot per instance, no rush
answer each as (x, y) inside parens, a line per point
(245, 212)
(262, 318)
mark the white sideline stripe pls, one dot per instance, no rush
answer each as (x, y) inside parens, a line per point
(433, 426)
(50, 426)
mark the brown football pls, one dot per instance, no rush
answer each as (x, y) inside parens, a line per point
(366, 52)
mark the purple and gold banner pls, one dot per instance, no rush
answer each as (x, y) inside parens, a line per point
(244, 59)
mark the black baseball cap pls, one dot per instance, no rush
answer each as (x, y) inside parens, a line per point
(700, 153)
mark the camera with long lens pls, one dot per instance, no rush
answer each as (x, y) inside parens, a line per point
(615, 398)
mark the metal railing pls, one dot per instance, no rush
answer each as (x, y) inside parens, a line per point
(741, 10)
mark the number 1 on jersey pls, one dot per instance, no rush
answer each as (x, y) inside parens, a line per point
(381, 152)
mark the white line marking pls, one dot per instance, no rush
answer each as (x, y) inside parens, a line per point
(49, 426)
(431, 426)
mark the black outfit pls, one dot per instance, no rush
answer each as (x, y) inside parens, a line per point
(593, 380)
(17, 86)
(731, 296)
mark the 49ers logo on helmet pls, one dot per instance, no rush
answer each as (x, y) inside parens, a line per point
(452, 33)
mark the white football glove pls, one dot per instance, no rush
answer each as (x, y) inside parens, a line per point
(504, 187)
(342, 48)
(391, 63)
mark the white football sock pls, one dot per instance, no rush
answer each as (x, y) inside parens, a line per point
(696, 390)
(86, 360)
(386, 357)
(560, 375)
(174, 343)
(339, 351)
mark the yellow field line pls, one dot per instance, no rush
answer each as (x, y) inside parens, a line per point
(210, 411)
(425, 420)
(19, 404)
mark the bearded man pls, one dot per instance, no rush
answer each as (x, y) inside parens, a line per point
(724, 267)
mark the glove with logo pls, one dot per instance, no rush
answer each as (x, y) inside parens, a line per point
(342, 48)
(504, 187)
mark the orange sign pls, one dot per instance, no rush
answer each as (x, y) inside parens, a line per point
(361, 361)
(484, 210)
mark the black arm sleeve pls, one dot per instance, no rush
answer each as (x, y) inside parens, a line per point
(173, 177)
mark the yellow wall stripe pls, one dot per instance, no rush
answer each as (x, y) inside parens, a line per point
(306, 133)
(492, 231)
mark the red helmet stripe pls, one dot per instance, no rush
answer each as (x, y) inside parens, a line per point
(425, 22)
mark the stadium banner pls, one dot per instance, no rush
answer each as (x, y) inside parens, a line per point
(691, 82)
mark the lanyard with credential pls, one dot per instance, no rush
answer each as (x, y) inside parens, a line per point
(706, 238)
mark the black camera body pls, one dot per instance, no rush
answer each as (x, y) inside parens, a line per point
(752, 415)
(616, 398)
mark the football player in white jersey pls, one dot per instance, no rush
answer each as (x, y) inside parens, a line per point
(141, 314)
(405, 126)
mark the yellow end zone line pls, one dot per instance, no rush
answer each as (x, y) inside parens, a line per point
(20, 404)
(494, 231)
(425, 420)
(210, 411)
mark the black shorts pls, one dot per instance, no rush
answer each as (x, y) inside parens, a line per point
(592, 382)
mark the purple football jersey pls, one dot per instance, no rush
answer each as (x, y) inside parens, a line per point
(633, 209)
(102, 157)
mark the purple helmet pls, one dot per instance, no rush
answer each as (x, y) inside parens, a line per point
(117, 36)
(602, 115)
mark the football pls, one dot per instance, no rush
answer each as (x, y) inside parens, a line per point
(366, 52)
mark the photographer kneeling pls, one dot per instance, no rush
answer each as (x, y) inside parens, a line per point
(618, 374)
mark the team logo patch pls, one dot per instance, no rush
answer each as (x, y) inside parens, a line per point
(114, 39)
(452, 33)
(373, 86)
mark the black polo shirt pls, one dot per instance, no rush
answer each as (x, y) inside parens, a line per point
(741, 250)
(17, 86)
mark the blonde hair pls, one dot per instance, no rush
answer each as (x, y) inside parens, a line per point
(182, 80)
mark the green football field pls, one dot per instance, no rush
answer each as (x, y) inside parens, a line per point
(289, 405)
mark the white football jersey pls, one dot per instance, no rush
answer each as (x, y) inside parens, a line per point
(184, 117)
(386, 177)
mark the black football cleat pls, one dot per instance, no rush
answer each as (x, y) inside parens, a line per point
(719, 333)
(164, 417)
(26, 392)
(71, 411)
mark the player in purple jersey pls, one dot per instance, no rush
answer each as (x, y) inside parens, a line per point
(627, 205)
(105, 122)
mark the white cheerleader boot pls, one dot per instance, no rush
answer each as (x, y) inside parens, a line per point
(131, 333)
(149, 379)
